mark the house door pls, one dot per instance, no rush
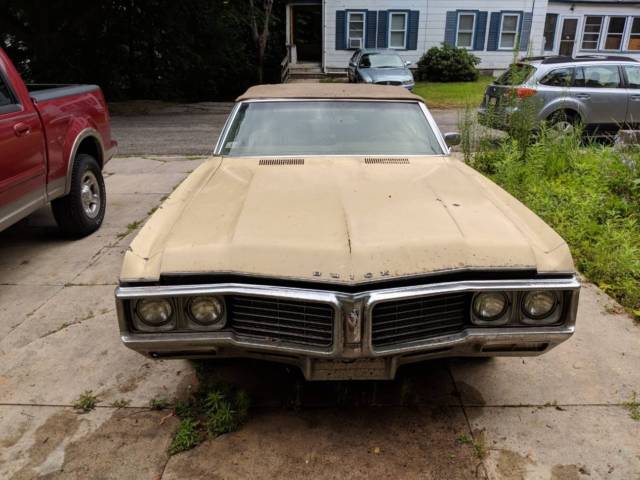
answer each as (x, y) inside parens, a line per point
(568, 36)
(306, 32)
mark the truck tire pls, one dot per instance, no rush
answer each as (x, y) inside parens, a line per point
(80, 213)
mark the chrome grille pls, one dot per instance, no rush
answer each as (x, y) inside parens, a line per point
(403, 321)
(273, 319)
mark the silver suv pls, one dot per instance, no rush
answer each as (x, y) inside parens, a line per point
(602, 93)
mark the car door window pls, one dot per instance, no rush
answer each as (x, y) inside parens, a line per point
(6, 97)
(601, 76)
(633, 76)
(560, 77)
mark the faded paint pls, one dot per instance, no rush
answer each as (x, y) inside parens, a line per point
(339, 220)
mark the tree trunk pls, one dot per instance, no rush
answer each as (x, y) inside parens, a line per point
(260, 35)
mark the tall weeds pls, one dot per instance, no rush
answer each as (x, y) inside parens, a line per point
(588, 192)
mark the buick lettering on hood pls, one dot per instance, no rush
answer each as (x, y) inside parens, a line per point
(331, 230)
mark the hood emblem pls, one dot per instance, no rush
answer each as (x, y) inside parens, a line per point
(353, 325)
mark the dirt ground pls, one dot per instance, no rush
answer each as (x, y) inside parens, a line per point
(561, 416)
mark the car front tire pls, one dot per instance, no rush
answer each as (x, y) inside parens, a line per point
(81, 212)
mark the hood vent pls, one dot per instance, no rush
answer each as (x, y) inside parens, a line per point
(386, 161)
(281, 161)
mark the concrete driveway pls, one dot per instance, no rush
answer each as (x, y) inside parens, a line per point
(560, 416)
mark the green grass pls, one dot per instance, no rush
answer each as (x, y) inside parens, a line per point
(454, 94)
(590, 194)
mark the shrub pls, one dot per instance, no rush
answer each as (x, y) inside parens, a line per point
(448, 64)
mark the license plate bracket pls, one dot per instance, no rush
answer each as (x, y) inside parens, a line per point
(356, 369)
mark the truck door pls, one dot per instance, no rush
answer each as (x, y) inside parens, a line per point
(22, 156)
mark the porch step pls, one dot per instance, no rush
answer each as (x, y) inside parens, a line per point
(306, 69)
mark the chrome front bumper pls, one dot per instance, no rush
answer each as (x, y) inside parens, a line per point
(352, 354)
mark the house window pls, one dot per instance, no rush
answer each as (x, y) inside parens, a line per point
(634, 36)
(355, 31)
(615, 31)
(398, 30)
(466, 26)
(509, 30)
(550, 30)
(591, 34)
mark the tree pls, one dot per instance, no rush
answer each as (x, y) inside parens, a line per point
(260, 35)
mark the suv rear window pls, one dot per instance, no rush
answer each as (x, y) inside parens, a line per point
(560, 77)
(518, 73)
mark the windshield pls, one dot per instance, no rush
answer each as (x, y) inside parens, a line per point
(381, 60)
(330, 128)
(517, 74)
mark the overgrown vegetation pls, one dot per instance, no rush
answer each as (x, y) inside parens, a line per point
(215, 409)
(86, 402)
(448, 64)
(634, 407)
(159, 403)
(589, 192)
(478, 444)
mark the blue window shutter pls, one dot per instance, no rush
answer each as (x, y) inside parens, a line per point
(552, 32)
(383, 28)
(372, 27)
(450, 27)
(525, 30)
(412, 30)
(341, 27)
(481, 30)
(494, 31)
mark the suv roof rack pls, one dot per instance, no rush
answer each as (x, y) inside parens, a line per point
(550, 59)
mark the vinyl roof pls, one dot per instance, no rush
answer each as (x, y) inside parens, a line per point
(328, 91)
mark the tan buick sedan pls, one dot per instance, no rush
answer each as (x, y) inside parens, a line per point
(331, 230)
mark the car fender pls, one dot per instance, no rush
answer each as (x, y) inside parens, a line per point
(79, 136)
(562, 103)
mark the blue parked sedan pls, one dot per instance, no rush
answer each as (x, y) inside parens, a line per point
(382, 67)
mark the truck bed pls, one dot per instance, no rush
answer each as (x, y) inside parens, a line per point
(45, 92)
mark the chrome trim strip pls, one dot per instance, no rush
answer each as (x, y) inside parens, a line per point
(178, 341)
(21, 208)
(86, 133)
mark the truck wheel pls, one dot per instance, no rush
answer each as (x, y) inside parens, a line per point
(81, 212)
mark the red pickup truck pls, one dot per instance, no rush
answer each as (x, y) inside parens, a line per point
(54, 142)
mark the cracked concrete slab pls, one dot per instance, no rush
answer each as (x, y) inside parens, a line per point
(154, 183)
(336, 443)
(559, 443)
(59, 338)
(58, 443)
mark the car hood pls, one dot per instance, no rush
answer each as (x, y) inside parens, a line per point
(386, 74)
(340, 220)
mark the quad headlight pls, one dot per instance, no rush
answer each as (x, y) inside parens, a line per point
(206, 311)
(490, 308)
(540, 307)
(153, 314)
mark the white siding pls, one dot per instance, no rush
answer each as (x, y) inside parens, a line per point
(436, 17)
(580, 11)
(336, 60)
(433, 17)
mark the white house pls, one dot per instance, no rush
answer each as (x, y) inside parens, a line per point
(325, 33)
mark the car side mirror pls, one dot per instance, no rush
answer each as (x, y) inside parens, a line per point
(352, 64)
(452, 139)
(407, 63)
